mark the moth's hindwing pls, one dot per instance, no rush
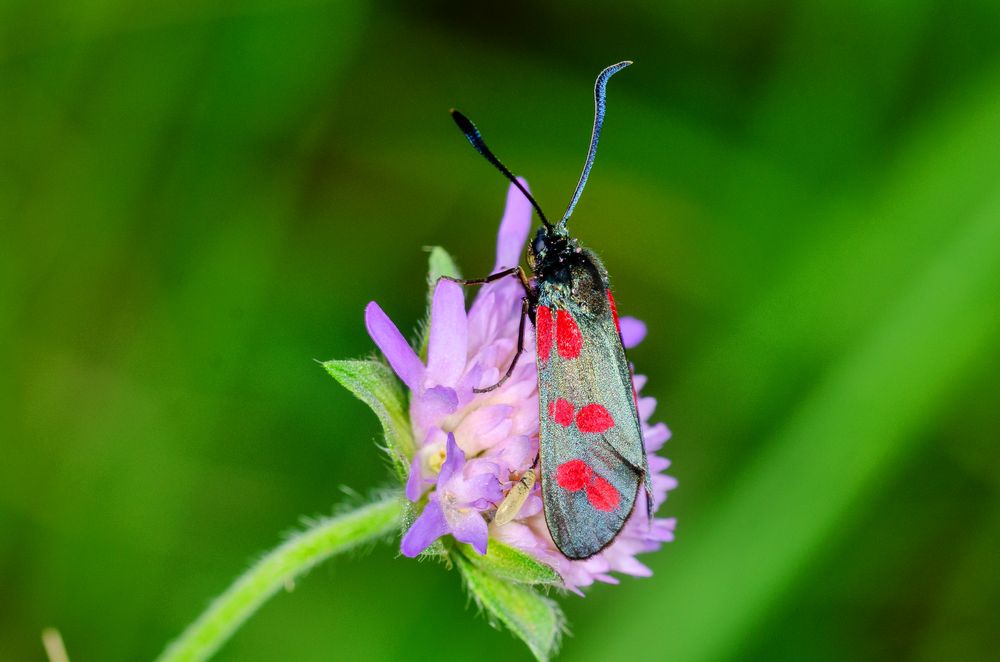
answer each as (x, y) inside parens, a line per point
(592, 456)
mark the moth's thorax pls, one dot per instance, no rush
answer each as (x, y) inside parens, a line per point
(568, 276)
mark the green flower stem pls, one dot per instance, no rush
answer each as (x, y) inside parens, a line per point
(293, 558)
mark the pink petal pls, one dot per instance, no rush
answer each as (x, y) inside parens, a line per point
(531, 507)
(484, 428)
(655, 437)
(428, 408)
(663, 529)
(397, 351)
(632, 566)
(447, 345)
(646, 407)
(633, 331)
(514, 228)
(515, 453)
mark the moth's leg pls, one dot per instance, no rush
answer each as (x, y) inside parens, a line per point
(513, 271)
(525, 305)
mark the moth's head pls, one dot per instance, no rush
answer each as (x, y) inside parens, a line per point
(549, 249)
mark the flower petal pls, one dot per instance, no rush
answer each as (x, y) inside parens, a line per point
(431, 405)
(632, 566)
(484, 427)
(633, 331)
(663, 529)
(415, 481)
(470, 527)
(481, 491)
(646, 407)
(454, 460)
(448, 340)
(532, 506)
(515, 454)
(397, 351)
(514, 228)
(427, 528)
(655, 436)
(482, 319)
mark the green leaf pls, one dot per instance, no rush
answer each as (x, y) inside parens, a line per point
(510, 563)
(440, 263)
(533, 618)
(376, 385)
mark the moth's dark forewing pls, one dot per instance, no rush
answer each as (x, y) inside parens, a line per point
(578, 529)
(583, 514)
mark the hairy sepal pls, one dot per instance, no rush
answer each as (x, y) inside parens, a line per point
(530, 616)
(511, 564)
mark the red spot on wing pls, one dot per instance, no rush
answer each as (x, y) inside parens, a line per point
(561, 411)
(568, 338)
(574, 475)
(594, 418)
(614, 312)
(543, 332)
(602, 495)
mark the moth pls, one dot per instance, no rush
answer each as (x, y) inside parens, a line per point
(592, 462)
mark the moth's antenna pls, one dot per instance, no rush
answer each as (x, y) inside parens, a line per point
(476, 139)
(600, 105)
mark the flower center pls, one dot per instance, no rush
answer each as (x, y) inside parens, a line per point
(436, 461)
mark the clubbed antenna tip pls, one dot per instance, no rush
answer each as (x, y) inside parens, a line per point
(600, 106)
(476, 140)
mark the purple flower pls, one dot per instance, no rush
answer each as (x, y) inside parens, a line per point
(463, 491)
(473, 447)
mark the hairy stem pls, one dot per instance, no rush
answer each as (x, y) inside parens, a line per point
(293, 558)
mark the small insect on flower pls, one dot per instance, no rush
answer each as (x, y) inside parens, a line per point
(592, 461)
(514, 501)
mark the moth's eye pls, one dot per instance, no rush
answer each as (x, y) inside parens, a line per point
(538, 245)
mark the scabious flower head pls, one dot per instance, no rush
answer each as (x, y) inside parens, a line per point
(472, 448)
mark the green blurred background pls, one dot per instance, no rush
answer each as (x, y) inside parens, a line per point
(801, 198)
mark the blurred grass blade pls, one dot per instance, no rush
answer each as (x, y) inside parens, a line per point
(376, 385)
(966, 608)
(292, 559)
(840, 442)
(533, 618)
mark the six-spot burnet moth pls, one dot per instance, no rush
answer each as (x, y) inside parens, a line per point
(592, 462)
